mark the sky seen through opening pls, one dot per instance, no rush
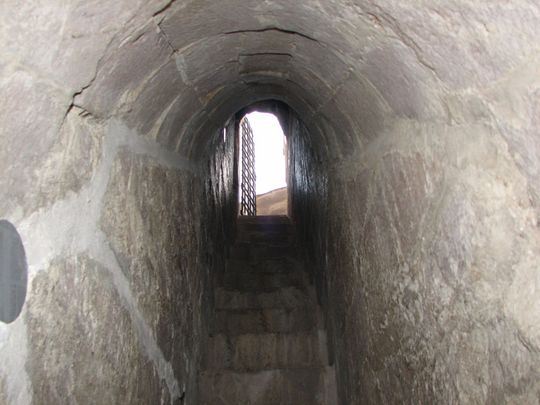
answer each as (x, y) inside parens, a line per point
(269, 151)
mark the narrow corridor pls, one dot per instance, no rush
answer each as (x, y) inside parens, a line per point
(413, 181)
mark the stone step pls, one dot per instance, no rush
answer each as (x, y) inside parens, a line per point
(274, 320)
(264, 219)
(311, 386)
(270, 223)
(251, 352)
(264, 282)
(261, 251)
(264, 228)
(287, 297)
(280, 237)
(284, 226)
(272, 265)
(279, 232)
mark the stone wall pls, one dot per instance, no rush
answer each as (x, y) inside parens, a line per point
(123, 226)
(425, 245)
(415, 185)
(120, 275)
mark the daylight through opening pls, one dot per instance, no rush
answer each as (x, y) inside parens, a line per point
(268, 161)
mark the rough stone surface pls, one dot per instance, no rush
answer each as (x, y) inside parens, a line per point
(72, 160)
(260, 353)
(33, 112)
(120, 229)
(3, 396)
(428, 289)
(285, 387)
(287, 297)
(414, 179)
(74, 302)
(146, 203)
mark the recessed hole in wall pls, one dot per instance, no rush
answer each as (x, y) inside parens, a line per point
(13, 272)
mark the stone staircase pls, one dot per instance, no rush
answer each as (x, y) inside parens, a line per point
(268, 344)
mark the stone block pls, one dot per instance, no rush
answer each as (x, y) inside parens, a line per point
(82, 341)
(288, 297)
(146, 217)
(286, 387)
(264, 282)
(124, 70)
(272, 320)
(158, 93)
(250, 352)
(33, 112)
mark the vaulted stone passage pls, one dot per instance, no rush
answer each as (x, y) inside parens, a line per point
(413, 174)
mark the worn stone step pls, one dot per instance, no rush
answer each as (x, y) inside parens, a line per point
(280, 237)
(250, 352)
(264, 219)
(311, 386)
(287, 297)
(264, 222)
(264, 228)
(273, 320)
(283, 227)
(271, 265)
(281, 233)
(264, 282)
(261, 251)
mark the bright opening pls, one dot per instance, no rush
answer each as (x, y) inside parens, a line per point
(270, 163)
(269, 152)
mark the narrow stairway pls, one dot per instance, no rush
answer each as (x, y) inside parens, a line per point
(268, 344)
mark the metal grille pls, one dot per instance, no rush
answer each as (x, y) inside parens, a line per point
(249, 197)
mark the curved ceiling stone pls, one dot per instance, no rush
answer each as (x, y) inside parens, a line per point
(170, 68)
(193, 64)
